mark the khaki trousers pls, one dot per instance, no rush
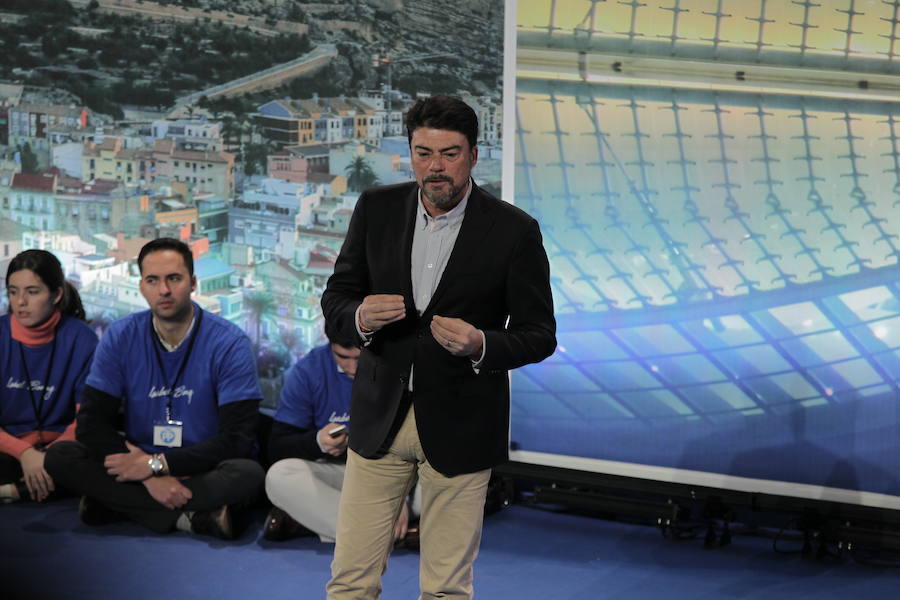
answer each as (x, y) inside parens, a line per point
(450, 526)
(309, 491)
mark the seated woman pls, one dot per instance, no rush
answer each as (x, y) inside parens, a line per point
(45, 353)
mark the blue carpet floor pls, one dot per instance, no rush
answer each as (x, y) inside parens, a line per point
(46, 553)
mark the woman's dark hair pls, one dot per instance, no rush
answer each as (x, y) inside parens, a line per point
(443, 112)
(47, 267)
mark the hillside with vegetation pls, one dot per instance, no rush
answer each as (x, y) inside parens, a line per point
(109, 59)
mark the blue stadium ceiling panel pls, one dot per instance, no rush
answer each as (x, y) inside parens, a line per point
(724, 254)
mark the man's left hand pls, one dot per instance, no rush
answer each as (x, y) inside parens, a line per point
(402, 524)
(129, 466)
(457, 337)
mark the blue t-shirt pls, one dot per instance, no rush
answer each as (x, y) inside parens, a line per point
(56, 397)
(131, 363)
(315, 393)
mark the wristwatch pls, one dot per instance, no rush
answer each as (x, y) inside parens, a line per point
(156, 464)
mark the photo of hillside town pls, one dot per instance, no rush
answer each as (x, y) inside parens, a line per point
(245, 128)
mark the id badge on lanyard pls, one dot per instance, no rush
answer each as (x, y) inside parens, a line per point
(169, 432)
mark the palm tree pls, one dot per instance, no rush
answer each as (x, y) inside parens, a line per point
(360, 175)
(291, 341)
(258, 305)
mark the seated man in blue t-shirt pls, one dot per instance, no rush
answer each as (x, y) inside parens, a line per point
(185, 381)
(308, 445)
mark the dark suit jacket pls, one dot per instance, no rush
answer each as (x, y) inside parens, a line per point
(497, 279)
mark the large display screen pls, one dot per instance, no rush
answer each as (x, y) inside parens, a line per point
(717, 192)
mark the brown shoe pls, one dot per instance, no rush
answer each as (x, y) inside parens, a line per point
(216, 522)
(410, 541)
(281, 526)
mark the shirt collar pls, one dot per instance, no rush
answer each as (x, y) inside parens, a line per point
(452, 217)
(173, 347)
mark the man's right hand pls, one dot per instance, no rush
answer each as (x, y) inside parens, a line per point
(379, 310)
(168, 491)
(37, 480)
(334, 446)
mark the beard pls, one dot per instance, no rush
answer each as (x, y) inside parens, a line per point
(444, 200)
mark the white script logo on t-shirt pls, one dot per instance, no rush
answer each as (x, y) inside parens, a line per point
(180, 392)
(36, 386)
(335, 418)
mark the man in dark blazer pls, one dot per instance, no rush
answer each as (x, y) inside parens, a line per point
(448, 288)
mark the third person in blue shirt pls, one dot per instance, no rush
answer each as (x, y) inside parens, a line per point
(308, 445)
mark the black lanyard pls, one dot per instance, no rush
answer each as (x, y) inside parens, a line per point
(38, 402)
(184, 359)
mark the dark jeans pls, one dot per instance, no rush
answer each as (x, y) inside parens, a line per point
(235, 482)
(11, 472)
(10, 469)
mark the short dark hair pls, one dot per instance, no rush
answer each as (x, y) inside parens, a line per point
(48, 268)
(336, 337)
(443, 112)
(167, 244)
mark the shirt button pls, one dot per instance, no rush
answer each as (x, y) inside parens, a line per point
(430, 265)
